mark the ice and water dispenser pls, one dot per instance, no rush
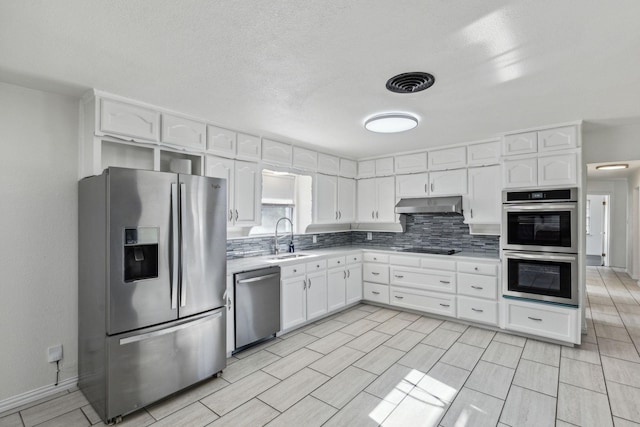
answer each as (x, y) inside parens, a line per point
(141, 253)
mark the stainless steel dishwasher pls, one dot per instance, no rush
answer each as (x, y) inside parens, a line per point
(257, 306)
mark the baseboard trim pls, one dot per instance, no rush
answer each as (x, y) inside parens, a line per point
(37, 394)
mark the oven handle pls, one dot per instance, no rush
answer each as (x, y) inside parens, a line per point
(539, 256)
(540, 206)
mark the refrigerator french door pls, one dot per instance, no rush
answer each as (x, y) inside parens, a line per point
(152, 270)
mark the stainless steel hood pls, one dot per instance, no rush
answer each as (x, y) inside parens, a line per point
(441, 205)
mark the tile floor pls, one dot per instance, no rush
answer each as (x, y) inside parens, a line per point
(376, 366)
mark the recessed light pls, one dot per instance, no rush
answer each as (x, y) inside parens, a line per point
(391, 123)
(612, 167)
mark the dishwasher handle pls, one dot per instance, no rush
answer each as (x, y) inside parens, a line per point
(257, 279)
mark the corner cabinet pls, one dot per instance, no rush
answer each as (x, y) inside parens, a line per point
(376, 200)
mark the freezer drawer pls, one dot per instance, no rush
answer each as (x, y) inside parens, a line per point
(150, 364)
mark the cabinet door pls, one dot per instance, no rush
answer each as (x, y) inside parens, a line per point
(184, 132)
(316, 294)
(277, 153)
(219, 167)
(354, 283)
(231, 327)
(294, 302)
(521, 143)
(386, 199)
(336, 294)
(328, 164)
(324, 203)
(485, 153)
(520, 173)
(346, 200)
(449, 158)
(414, 185)
(118, 118)
(366, 200)
(221, 141)
(367, 169)
(348, 168)
(557, 139)
(384, 167)
(445, 183)
(559, 169)
(248, 147)
(247, 194)
(411, 163)
(484, 195)
(304, 159)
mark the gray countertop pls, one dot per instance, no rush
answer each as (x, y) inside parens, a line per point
(239, 265)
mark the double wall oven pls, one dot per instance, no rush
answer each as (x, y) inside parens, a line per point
(540, 245)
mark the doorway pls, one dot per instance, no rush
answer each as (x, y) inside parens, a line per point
(597, 229)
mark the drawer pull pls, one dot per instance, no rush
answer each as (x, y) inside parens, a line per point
(446, 282)
(318, 266)
(338, 262)
(375, 292)
(375, 273)
(355, 258)
(477, 287)
(399, 297)
(375, 259)
(398, 276)
(535, 318)
(445, 305)
(477, 310)
(476, 268)
(295, 271)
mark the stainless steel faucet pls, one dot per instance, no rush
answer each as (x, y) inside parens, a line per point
(275, 242)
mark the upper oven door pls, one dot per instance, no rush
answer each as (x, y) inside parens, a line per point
(545, 227)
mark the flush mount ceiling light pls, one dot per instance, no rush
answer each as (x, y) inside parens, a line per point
(612, 167)
(391, 123)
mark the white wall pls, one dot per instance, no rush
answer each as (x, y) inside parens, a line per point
(633, 259)
(618, 190)
(38, 248)
(610, 143)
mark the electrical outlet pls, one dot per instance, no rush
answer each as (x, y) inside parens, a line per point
(369, 235)
(54, 353)
(315, 239)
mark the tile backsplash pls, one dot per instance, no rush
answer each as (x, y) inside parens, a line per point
(422, 230)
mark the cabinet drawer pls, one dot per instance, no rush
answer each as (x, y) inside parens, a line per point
(354, 258)
(478, 310)
(336, 262)
(478, 268)
(541, 319)
(476, 285)
(376, 292)
(316, 265)
(438, 264)
(369, 257)
(375, 273)
(407, 261)
(292, 270)
(423, 279)
(431, 302)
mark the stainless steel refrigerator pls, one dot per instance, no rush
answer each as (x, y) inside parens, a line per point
(152, 278)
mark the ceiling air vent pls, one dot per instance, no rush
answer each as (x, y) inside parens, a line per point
(410, 82)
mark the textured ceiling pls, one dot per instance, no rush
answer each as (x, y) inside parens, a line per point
(314, 71)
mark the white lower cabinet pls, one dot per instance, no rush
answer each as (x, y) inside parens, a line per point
(294, 301)
(431, 302)
(316, 294)
(231, 325)
(547, 320)
(354, 283)
(304, 293)
(375, 292)
(435, 280)
(478, 310)
(336, 288)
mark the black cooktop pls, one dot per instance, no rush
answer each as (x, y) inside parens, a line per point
(434, 251)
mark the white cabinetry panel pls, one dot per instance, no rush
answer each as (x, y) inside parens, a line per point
(432, 302)
(546, 320)
(348, 168)
(384, 166)
(325, 199)
(484, 200)
(520, 172)
(485, 153)
(346, 200)
(184, 132)
(557, 139)
(366, 169)
(411, 163)
(376, 292)
(219, 167)
(559, 169)
(521, 143)
(449, 158)
(131, 121)
(248, 147)
(277, 153)
(305, 159)
(221, 141)
(444, 183)
(413, 185)
(247, 194)
(478, 310)
(328, 164)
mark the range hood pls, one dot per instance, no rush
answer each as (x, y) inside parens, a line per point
(441, 205)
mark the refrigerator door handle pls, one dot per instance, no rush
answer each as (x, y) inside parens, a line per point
(183, 285)
(175, 249)
(148, 335)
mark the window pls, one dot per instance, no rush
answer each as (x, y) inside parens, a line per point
(270, 215)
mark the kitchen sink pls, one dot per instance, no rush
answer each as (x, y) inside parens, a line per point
(289, 256)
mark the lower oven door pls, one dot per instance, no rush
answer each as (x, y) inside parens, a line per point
(541, 276)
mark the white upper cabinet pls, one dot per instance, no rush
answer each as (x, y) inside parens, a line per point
(411, 163)
(348, 168)
(484, 153)
(413, 185)
(325, 199)
(484, 201)
(558, 169)
(248, 147)
(448, 158)
(305, 159)
(557, 139)
(346, 200)
(448, 183)
(376, 200)
(521, 143)
(219, 167)
(367, 202)
(366, 169)
(180, 131)
(520, 172)
(328, 164)
(221, 141)
(384, 166)
(129, 121)
(247, 194)
(277, 153)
